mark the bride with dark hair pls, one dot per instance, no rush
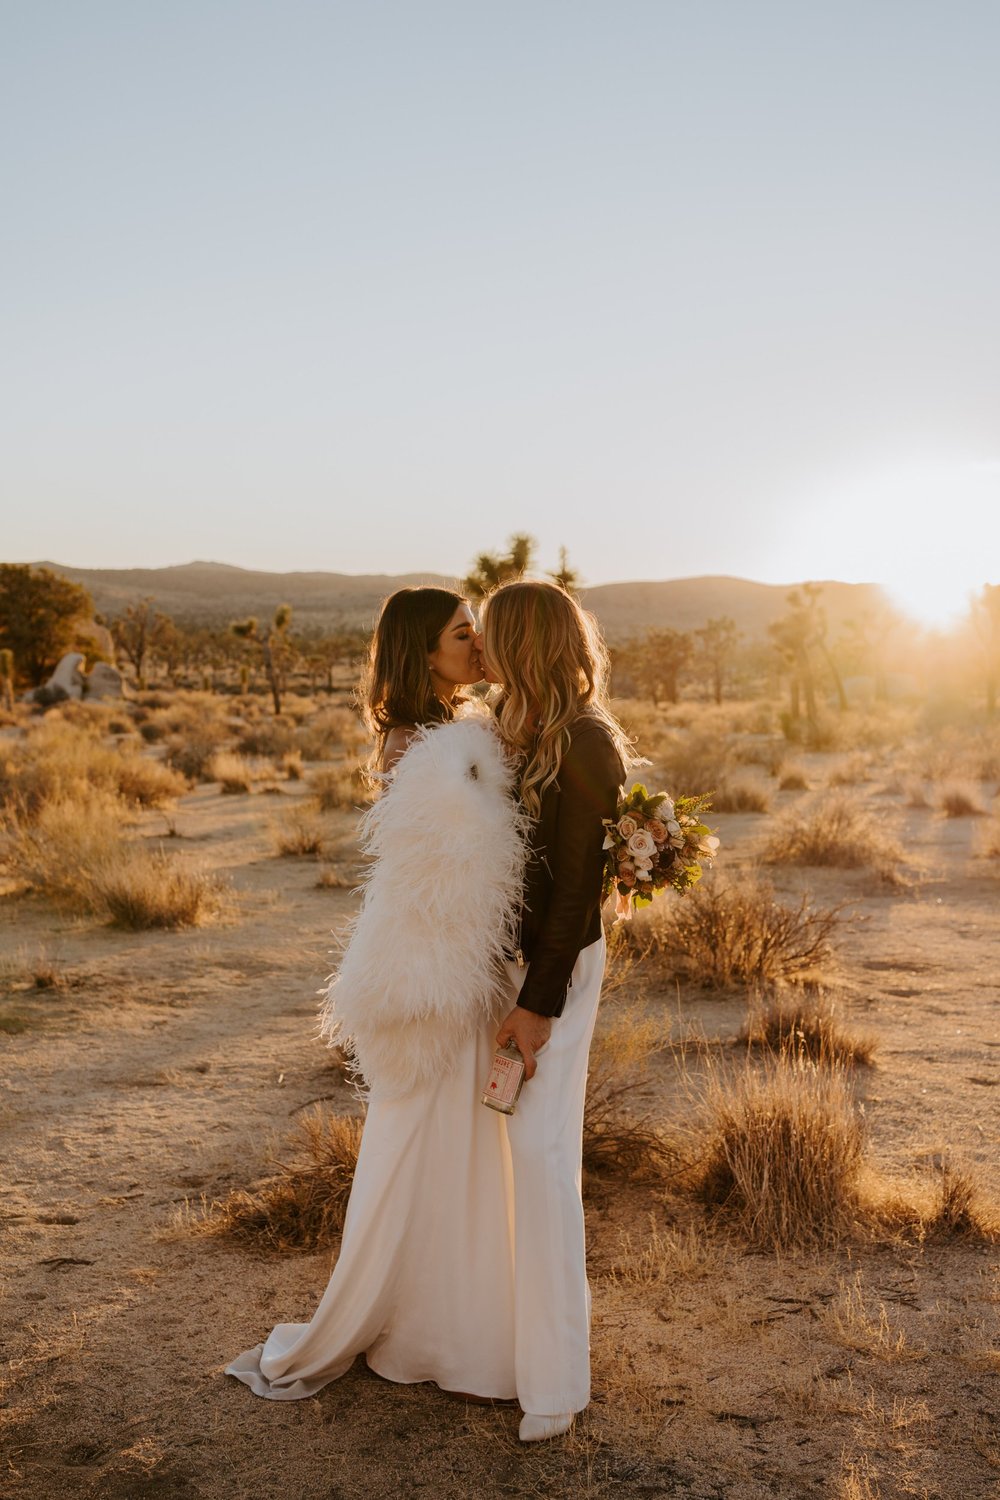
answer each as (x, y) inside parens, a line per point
(462, 1259)
(423, 1284)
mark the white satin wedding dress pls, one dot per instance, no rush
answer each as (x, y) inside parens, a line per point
(424, 1283)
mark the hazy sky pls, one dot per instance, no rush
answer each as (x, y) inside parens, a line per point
(701, 287)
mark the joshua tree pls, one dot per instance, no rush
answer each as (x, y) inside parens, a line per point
(657, 660)
(717, 641)
(800, 632)
(140, 631)
(273, 646)
(566, 577)
(492, 568)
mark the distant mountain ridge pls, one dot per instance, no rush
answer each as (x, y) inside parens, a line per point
(210, 593)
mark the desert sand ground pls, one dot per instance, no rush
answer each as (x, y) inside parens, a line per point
(164, 1068)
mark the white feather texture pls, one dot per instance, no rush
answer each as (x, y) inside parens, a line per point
(438, 913)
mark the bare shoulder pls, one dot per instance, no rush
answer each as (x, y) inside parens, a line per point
(397, 742)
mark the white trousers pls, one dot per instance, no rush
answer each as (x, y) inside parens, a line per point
(551, 1295)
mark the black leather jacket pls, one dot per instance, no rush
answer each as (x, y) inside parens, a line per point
(561, 914)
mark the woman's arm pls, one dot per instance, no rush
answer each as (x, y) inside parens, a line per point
(590, 779)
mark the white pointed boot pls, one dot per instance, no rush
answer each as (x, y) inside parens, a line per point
(535, 1429)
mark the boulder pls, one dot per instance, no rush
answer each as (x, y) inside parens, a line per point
(104, 681)
(67, 677)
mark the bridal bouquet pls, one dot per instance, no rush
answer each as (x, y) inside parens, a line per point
(655, 842)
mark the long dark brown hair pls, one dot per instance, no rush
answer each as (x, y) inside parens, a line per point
(396, 688)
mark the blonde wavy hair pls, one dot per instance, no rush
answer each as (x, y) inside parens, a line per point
(553, 666)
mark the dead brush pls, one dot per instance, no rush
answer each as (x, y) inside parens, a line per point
(301, 832)
(233, 772)
(690, 760)
(739, 794)
(620, 1137)
(193, 751)
(792, 777)
(838, 833)
(853, 770)
(731, 932)
(302, 1205)
(343, 786)
(56, 849)
(151, 889)
(961, 800)
(780, 1151)
(78, 853)
(59, 762)
(988, 846)
(267, 737)
(807, 1026)
(959, 1208)
(332, 732)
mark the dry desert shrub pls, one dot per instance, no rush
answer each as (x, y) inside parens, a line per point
(233, 772)
(836, 832)
(693, 763)
(758, 750)
(781, 1152)
(619, 1135)
(297, 708)
(79, 853)
(853, 770)
(988, 845)
(302, 831)
(734, 932)
(809, 1027)
(333, 731)
(334, 879)
(271, 737)
(302, 1205)
(291, 765)
(150, 889)
(737, 794)
(192, 750)
(961, 800)
(792, 777)
(342, 786)
(57, 848)
(960, 1209)
(55, 762)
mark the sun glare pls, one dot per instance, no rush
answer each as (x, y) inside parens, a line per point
(929, 534)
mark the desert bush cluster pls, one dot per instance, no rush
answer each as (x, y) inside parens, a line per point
(74, 779)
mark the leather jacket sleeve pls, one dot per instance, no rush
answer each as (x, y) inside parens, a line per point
(589, 782)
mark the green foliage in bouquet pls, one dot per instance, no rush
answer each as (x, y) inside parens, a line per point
(654, 842)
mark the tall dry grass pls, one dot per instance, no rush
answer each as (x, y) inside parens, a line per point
(733, 931)
(809, 1026)
(302, 1204)
(79, 853)
(620, 1131)
(57, 762)
(779, 1152)
(838, 832)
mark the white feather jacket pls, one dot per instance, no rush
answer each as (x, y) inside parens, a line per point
(439, 910)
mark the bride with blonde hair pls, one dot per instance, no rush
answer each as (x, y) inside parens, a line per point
(462, 1260)
(546, 654)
